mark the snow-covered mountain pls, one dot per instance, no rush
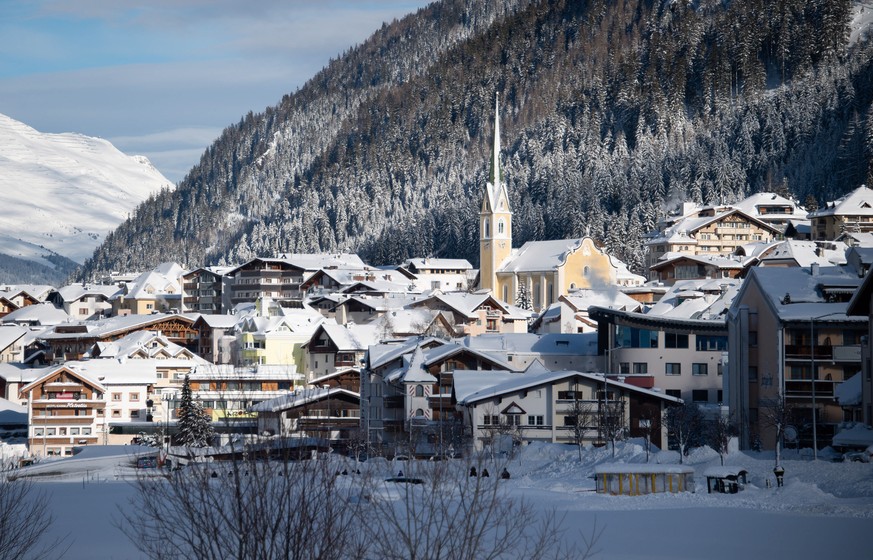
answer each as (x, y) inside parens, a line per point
(65, 192)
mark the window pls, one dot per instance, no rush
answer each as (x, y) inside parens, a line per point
(533, 420)
(672, 368)
(37, 432)
(630, 337)
(709, 342)
(624, 368)
(50, 431)
(491, 420)
(134, 414)
(500, 226)
(116, 397)
(419, 390)
(419, 413)
(719, 396)
(675, 340)
(134, 397)
(487, 228)
(674, 393)
(505, 293)
(116, 414)
(699, 369)
(700, 395)
(641, 367)
(586, 271)
(74, 431)
(513, 419)
(86, 431)
(753, 373)
(753, 338)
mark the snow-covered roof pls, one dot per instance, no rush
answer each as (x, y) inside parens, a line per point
(858, 435)
(118, 324)
(36, 291)
(165, 279)
(512, 383)
(44, 314)
(719, 261)
(10, 334)
(300, 397)
(146, 345)
(753, 204)
(315, 261)
(848, 393)
(805, 253)
(642, 468)
(12, 413)
(422, 265)
(536, 256)
(859, 202)
(351, 337)
(219, 321)
(75, 292)
(805, 291)
(498, 344)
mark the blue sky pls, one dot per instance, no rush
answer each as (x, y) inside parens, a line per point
(162, 78)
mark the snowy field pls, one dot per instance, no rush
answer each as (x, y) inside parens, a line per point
(825, 509)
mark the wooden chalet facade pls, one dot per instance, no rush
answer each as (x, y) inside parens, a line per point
(65, 409)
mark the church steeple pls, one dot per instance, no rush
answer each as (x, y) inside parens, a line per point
(495, 218)
(494, 174)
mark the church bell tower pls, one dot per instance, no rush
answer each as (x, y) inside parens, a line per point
(495, 219)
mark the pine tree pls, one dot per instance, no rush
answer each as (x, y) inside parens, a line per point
(522, 298)
(195, 429)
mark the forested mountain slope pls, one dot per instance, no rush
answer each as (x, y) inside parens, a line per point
(610, 110)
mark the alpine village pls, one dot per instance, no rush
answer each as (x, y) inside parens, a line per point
(491, 227)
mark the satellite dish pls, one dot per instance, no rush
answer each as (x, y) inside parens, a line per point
(790, 434)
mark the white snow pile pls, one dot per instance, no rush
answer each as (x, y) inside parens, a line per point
(824, 509)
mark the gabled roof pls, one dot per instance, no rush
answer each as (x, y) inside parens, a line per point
(804, 289)
(422, 265)
(117, 325)
(216, 321)
(302, 397)
(44, 314)
(36, 292)
(334, 375)
(536, 256)
(57, 370)
(518, 382)
(494, 344)
(381, 354)
(163, 280)
(718, 261)
(75, 292)
(315, 261)
(805, 253)
(859, 202)
(258, 260)
(10, 334)
(348, 338)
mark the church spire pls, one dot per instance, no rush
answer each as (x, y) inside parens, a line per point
(494, 175)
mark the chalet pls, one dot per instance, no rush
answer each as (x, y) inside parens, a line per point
(158, 290)
(446, 275)
(85, 301)
(334, 347)
(476, 313)
(541, 405)
(71, 341)
(570, 313)
(851, 213)
(328, 413)
(65, 408)
(711, 231)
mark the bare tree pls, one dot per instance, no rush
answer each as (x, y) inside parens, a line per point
(685, 424)
(245, 508)
(720, 431)
(581, 417)
(452, 516)
(647, 427)
(777, 414)
(25, 518)
(611, 420)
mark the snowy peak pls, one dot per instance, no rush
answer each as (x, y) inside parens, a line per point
(65, 192)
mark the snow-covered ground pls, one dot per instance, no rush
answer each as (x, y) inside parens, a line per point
(825, 509)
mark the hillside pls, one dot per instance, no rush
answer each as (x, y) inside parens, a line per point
(62, 194)
(611, 110)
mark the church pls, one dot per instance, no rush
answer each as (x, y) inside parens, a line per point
(547, 269)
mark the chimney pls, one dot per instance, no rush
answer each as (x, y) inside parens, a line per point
(813, 269)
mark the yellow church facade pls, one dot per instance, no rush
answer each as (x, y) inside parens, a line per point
(547, 269)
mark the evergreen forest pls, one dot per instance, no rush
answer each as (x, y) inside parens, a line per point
(611, 111)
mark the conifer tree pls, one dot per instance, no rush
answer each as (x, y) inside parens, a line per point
(522, 298)
(195, 429)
